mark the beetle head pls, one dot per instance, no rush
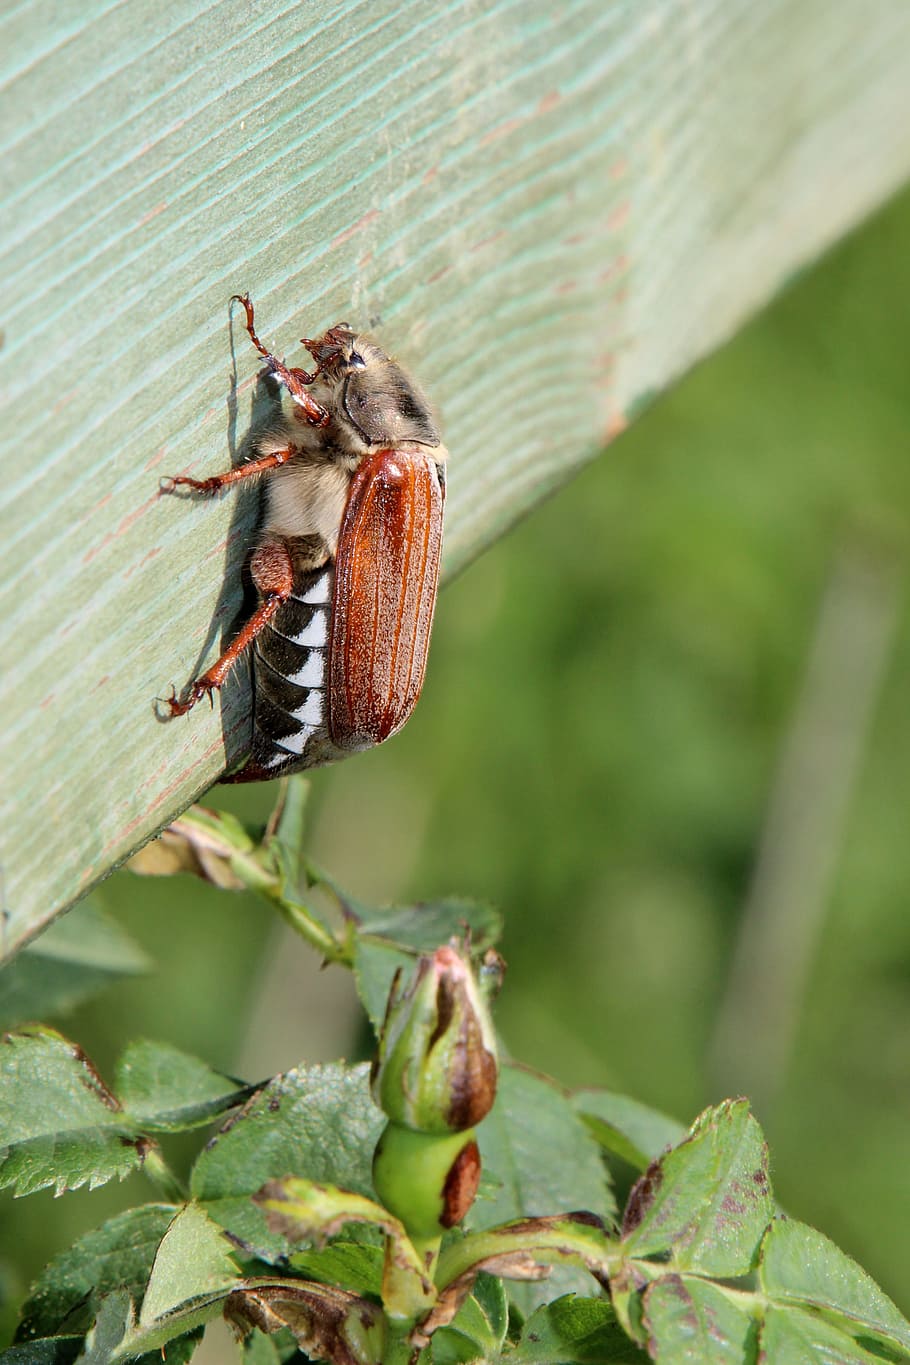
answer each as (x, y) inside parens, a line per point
(373, 394)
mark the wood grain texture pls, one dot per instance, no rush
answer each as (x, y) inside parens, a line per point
(548, 211)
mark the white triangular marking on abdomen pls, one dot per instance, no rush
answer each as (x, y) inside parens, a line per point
(312, 674)
(316, 634)
(296, 743)
(319, 592)
(310, 713)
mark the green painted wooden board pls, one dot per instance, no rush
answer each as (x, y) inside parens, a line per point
(547, 210)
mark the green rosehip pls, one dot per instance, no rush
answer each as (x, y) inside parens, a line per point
(428, 1181)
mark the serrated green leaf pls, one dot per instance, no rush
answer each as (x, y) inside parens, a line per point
(692, 1322)
(117, 1255)
(193, 1260)
(424, 927)
(316, 1122)
(48, 1351)
(547, 1162)
(59, 1123)
(478, 1329)
(790, 1336)
(541, 1153)
(707, 1203)
(573, 1329)
(626, 1127)
(452, 1346)
(111, 1325)
(78, 956)
(167, 1090)
(351, 1265)
(801, 1266)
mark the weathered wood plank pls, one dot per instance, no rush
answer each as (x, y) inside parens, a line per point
(548, 211)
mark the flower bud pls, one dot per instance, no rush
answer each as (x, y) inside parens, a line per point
(436, 1071)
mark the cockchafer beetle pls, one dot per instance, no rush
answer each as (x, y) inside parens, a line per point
(347, 562)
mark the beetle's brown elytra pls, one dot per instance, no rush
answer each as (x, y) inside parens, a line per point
(347, 564)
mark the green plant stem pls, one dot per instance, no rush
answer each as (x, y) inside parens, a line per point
(547, 1240)
(162, 1177)
(398, 1348)
(309, 928)
(407, 1292)
(427, 1249)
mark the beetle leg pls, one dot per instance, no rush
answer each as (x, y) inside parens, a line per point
(170, 484)
(293, 380)
(307, 552)
(272, 569)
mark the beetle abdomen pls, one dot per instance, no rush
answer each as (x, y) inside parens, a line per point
(290, 676)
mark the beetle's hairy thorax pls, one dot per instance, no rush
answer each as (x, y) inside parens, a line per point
(307, 495)
(307, 498)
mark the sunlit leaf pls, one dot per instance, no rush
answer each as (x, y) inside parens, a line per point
(60, 1125)
(800, 1265)
(790, 1336)
(690, 1321)
(574, 1329)
(316, 1122)
(192, 1260)
(706, 1203)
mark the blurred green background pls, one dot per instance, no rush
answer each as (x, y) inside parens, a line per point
(696, 651)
